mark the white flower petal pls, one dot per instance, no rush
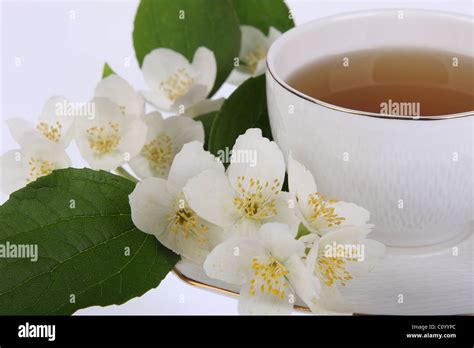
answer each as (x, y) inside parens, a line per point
(133, 137)
(244, 227)
(150, 204)
(108, 162)
(253, 48)
(154, 121)
(330, 302)
(183, 130)
(191, 161)
(372, 251)
(13, 172)
(109, 139)
(301, 184)
(279, 241)
(360, 262)
(255, 157)
(140, 163)
(54, 112)
(54, 124)
(141, 168)
(346, 235)
(231, 260)
(352, 213)
(210, 195)
(251, 38)
(273, 34)
(310, 226)
(105, 113)
(204, 107)
(155, 124)
(328, 299)
(158, 99)
(237, 77)
(162, 68)
(312, 241)
(194, 95)
(164, 139)
(265, 303)
(36, 158)
(160, 64)
(302, 280)
(205, 68)
(260, 68)
(194, 249)
(121, 93)
(20, 129)
(39, 148)
(309, 239)
(287, 212)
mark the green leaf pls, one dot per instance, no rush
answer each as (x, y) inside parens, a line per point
(302, 231)
(207, 120)
(264, 14)
(107, 71)
(245, 108)
(80, 221)
(184, 26)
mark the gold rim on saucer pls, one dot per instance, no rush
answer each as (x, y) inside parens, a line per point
(228, 292)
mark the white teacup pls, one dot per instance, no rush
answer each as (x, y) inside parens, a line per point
(415, 176)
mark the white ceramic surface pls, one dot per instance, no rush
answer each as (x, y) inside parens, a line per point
(414, 176)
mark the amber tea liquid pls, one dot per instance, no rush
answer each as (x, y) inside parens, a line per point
(392, 80)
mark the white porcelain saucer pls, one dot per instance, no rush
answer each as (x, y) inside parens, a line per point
(433, 280)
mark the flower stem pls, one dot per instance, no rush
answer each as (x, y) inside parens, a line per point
(122, 172)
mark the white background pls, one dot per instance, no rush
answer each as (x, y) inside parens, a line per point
(62, 46)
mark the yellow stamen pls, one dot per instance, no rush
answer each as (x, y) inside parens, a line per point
(252, 202)
(269, 274)
(51, 132)
(39, 168)
(160, 153)
(184, 220)
(334, 270)
(321, 213)
(177, 85)
(104, 139)
(252, 59)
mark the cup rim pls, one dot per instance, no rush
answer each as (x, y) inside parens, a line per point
(352, 14)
